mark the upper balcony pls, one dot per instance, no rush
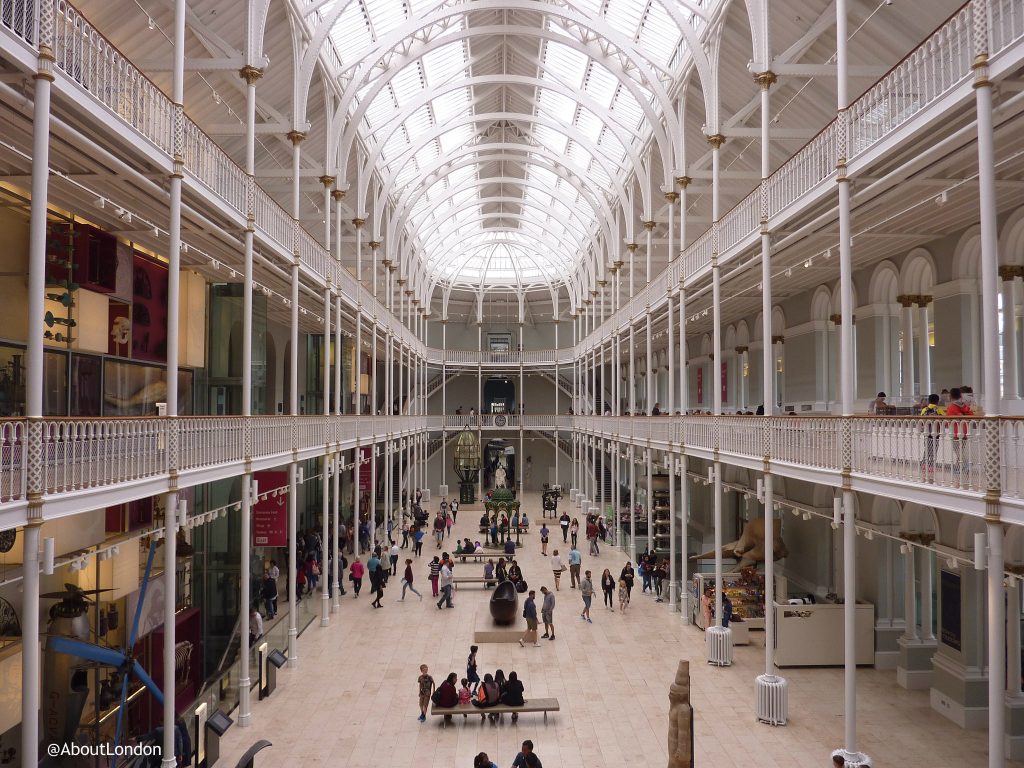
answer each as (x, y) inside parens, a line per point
(76, 464)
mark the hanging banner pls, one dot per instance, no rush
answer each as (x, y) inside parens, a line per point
(365, 470)
(700, 385)
(270, 515)
(725, 382)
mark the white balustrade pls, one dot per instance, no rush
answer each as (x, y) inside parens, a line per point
(12, 460)
(1011, 453)
(20, 17)
(806, 441)
(946, 452)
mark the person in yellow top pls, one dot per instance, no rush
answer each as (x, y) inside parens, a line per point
(932, 432)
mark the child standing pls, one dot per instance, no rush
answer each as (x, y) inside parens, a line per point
(426, 687)
(471, 673)
(623, 595)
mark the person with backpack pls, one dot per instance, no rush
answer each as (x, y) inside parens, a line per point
(488, 695)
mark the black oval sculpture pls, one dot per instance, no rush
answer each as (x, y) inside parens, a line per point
(504, 602)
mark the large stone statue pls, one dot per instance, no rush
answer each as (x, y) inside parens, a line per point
(680, 720)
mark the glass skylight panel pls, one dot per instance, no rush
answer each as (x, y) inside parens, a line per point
(600, 84)
(550, 138)
(451, 104)
(556, 106)
(589, 124)
(351, 33)
(455, 138)
(567, 63)
(385, 15)
(444, 63)
(625, 15)
(627, 108)
(659, 36)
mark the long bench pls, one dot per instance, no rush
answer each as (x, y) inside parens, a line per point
(530, 705)
(473, 580)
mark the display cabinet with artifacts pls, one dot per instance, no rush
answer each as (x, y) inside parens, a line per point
(745, 590)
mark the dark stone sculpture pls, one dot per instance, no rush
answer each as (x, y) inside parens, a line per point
(504, 602)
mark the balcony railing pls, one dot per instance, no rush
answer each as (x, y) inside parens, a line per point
(974, 455)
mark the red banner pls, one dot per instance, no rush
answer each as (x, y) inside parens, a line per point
(365, 477)
(270, 515)
(725, 382)
(700, 385)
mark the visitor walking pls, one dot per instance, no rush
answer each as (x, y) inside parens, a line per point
(557, 566)
(405, 534)
(407, 581)
(275, 575)
(378, 580)
(530, 614)
(393, 557)
(587, 592)
(471, 669)
(575, 561)
(608, 587)
(564, 522)
(544, 538)
(355, 575)
(439, 529)
(628, 575)
(547, 613)
(269, 595)
(592, 533)
(446, 585)
(574, 531)
(418, 535)
(435, 574)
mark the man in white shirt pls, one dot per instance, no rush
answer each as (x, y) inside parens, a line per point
(393, 556)
(446, 583)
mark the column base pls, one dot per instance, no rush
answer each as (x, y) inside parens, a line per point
(1015, 728)
(293, 651)
(914, 668)
(772, 699)
(853, 759)
(684, 606)
(959, 693)
(718, 643)
(244, 707)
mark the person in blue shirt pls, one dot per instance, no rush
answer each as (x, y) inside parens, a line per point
(526, 757)
(575, 560)
(483, 761)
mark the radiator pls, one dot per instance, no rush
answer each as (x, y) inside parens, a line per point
(719, 646)
(772, 699)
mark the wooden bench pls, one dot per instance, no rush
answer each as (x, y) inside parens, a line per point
(530, 705)
(521, 530)
(473, 580)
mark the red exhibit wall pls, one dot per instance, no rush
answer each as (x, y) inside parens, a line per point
(149, 650)
(149, 309)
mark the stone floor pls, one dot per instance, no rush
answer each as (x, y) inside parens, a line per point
(351, 701)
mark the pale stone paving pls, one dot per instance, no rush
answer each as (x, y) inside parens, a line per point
(352, 700)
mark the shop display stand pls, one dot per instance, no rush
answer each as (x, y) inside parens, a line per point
(745, 589)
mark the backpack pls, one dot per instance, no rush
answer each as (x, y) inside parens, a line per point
(436, 696)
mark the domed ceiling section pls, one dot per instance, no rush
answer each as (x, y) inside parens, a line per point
(502, 132)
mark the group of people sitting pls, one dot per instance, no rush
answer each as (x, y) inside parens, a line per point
(494, 690)
(495, 574)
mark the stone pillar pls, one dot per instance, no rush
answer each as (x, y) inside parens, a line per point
(907, 319)
(1011, 384)
(923, 347)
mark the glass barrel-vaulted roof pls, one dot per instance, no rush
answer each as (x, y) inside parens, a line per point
(499, 133)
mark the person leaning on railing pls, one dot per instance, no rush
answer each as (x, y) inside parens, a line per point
(932, 432)
(958, 406)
